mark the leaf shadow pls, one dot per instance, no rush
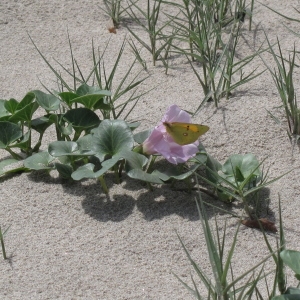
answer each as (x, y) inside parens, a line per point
(161, 202)
(164, 202)
(97, 204)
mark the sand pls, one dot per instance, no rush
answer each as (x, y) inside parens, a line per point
(70, 240)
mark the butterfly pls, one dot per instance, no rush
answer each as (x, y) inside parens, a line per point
(185, 133)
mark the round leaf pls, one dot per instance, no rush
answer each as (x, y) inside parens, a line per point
(292, 259)
(84, 89)
(68, 97)
(142, 175)
(3, 111)
(11, 105)
(11, 165)
(87, 171)
(112, 137)
(65, 171)
(9, 133)
(140, 137)
(246, 164)
(39, 161)
(25, 113)
(82, 118)
(46, 101)
(60, 148)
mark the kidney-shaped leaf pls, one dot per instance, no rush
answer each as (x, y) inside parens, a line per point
(68, 97)
(9, 133)
(111, 137)
(64, 170)
(29, 97)
(11, 105)
(287, 297)
(292, 291)
(85, 144)
(39, 161)
(89, 101)
(85, 89)
(25, 113)
(69, 148)
(140, 137)
(61, 148)
(24, 143)
(142, 175)
(239, 167)
(41, 124)
(175, 173)
(46, 101)
(247, 164)
(11, 165)
(292, 259)
(133, 160)
(87, 171)
(4, 113)
(82, 118)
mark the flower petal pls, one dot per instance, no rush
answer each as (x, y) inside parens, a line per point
(175, 114)
(160, 142)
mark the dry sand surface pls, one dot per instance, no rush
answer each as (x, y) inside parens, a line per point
(70, 241)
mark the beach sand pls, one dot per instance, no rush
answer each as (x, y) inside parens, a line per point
(68, 240)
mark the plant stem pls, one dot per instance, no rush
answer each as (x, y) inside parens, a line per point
(103, 184)
(116, 171)
(13, 154)
(2, 244)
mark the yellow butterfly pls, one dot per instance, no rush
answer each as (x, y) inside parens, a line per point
(185, 133)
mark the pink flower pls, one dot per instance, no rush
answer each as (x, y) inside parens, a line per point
(160, 142)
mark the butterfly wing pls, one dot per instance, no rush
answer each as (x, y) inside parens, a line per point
(185, 133)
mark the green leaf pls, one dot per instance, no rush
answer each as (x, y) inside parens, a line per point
(61, 148)
(68, 97)
(133, 125)
(39, 161)
(89, 101)
(292, 259)
(133, 160)
(29, 97)
(111, 137)
(176, 173)
(212, 165)
(46, 101)
(292, 291)
(9, 133)
(238, 167)
(84, 89)
(140, 137)
(89, 96)
(42, 123)
(11, 105)
(24, 143)
(85, 144)
(25, 113)
(82, 118)
(65, 171)
(3, 111)
(87, 171)
(11, 165)
(287, 297)
(69, 148)
(142, 175)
